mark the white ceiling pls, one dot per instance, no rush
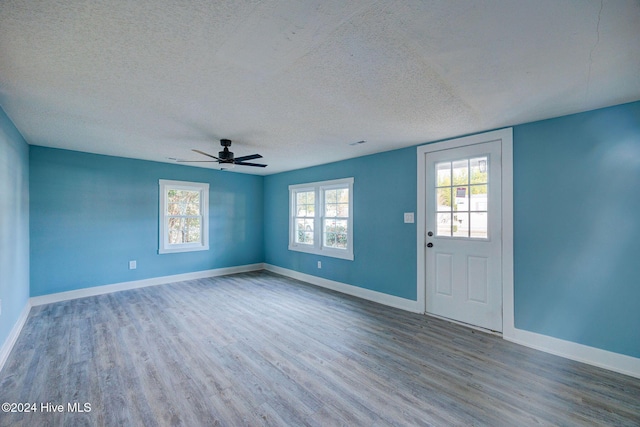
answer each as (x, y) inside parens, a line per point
(297, 81)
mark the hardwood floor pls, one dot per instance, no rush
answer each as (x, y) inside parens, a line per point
(260, 349)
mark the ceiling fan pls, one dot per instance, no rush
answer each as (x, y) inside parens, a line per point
(225, 158)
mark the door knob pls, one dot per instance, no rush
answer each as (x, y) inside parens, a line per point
(429, 245)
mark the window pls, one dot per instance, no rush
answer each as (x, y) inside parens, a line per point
(184, 216)
(321, 218)
(461, 193)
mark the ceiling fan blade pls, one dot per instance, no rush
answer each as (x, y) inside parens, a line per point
(205, 154)
(250, 164)
(196, 161)
(249, 157)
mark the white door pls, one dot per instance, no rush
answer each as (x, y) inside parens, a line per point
(463, 234)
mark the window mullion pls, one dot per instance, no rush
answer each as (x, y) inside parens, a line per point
(320, 191)
(194, 234)
(319, 224)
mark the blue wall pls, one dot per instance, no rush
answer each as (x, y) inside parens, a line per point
(577, 228)
(384, 246)
(14, 225)
(91, 214)
(577, 237)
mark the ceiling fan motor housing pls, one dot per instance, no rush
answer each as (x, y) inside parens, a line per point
(225, 155)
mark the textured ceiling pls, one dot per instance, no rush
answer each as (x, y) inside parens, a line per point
(298, 81)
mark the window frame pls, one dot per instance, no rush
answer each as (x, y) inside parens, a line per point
(318, 248)
(164, 247)
(469, 186)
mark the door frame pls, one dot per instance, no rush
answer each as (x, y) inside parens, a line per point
(506, 138)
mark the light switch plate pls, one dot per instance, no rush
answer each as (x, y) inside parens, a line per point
(408, 218)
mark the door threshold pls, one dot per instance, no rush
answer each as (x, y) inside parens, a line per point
(468, 325)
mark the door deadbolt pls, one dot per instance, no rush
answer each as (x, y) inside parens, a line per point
(430, 233)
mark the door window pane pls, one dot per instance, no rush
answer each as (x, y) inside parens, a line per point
(443, 227)
(461, 224)
(443, 174)
(479, 170)
(478, 199)
(461, 172)
(479, 225)
(443, 199)
(461, 198)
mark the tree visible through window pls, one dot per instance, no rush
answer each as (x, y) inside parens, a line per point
(305, 213)
(461, 197)
(183, 212)
(183, 216)
(321, 219)
(336, 218)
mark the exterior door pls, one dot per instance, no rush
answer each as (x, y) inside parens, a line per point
(463, 234)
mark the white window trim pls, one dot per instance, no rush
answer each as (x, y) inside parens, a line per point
(317, 248)
(163, 242)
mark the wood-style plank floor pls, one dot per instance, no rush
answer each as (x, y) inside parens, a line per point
(259, 349)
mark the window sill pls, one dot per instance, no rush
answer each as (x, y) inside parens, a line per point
(183, 249)
(328, 252)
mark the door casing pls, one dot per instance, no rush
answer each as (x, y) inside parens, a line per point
(506, 139)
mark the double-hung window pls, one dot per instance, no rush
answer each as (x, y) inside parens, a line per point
(184, 216)
(321, 218)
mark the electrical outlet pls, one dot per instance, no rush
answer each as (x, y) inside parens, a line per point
(132, 265)
(319, 264)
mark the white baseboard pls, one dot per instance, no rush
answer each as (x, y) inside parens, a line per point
(106, 289)
(6, 348)
(379, 297)
(616, 362)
